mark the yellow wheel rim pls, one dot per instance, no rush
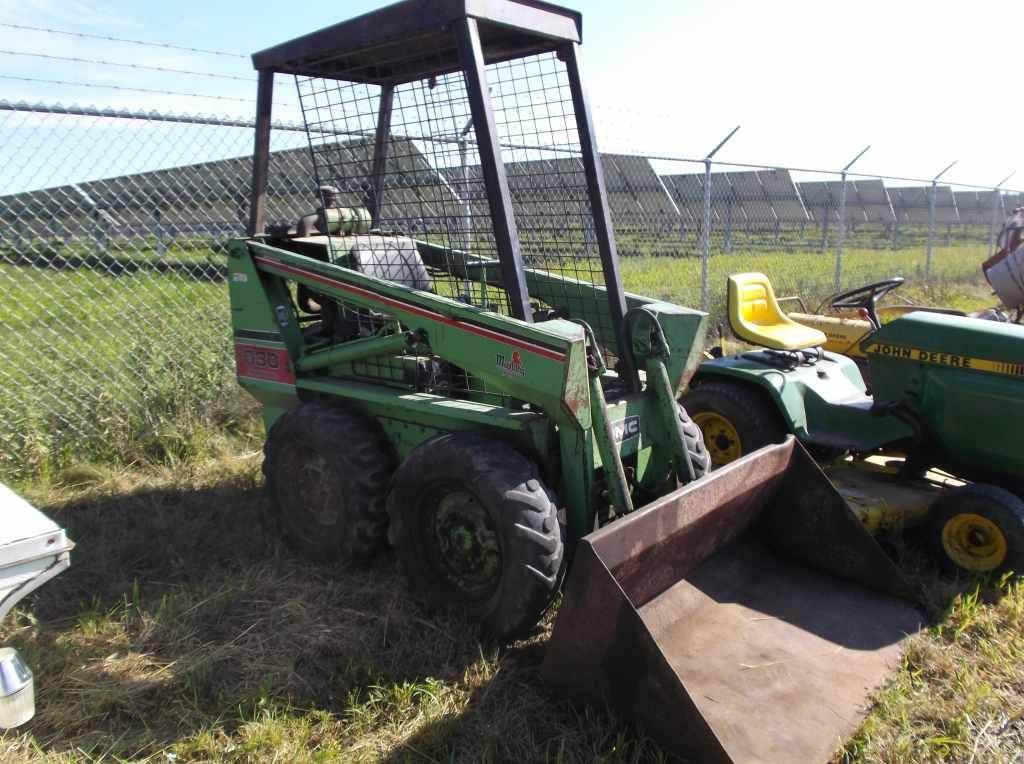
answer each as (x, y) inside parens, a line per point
(720, 437)
(974, 542)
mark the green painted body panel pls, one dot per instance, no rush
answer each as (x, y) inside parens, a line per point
(684, 327)
(415, 417)
(937, 332)
(823, 404)
(972, 415)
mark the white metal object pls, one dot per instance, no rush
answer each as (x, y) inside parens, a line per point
(33, 549)
(1007, 278)
(17, 690)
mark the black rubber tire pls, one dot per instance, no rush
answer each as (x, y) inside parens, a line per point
(694, 439)
(753, 416)
(521, 513)
(344, 515)
(997, 505)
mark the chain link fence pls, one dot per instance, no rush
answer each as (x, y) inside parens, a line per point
(114, 321)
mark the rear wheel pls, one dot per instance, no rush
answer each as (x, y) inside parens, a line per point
(978, 528)
(327, 472)
(475, 529)
(735, 420)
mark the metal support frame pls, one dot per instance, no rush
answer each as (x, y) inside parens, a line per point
(592, 168)
(993, 230)
(506, 235)
(931, 218)
(380, 151)
(841, 234)
(705, 258)
(261, 151)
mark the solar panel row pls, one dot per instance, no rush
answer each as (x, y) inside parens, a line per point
(541, 188)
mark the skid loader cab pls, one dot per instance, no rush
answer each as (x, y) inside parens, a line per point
(487, 421)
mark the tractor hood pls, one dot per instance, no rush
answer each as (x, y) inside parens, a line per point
(949, 340)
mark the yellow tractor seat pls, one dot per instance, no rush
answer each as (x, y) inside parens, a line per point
(755, 316)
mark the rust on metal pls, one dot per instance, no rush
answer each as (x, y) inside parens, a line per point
(745, 617)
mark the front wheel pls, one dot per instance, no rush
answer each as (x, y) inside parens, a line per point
(476, 530)
(978, 528)
(735, 420)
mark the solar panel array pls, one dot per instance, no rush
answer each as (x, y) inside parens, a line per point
(866, 201)
(211, 198)
(746, 198)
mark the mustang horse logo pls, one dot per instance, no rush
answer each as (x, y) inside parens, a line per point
(511, 367)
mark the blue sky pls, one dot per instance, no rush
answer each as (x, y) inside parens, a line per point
(811, 83)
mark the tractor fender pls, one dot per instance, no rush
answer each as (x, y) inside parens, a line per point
(825, 403)
(770, 383)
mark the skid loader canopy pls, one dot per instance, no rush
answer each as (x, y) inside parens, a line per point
(745, 617)
(458, 123)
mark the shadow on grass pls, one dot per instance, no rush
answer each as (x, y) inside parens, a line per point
(183, 623)
(182, 613)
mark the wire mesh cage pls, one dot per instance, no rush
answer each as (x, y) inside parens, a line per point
(394, 127)
(431, 180)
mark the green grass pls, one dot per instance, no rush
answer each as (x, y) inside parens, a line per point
(109, 369)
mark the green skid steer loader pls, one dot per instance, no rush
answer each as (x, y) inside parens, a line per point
(447, 361)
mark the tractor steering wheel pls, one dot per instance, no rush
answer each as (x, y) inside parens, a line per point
(866, 297)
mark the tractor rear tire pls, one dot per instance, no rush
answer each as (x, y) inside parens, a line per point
(477, 531)
(734, 418)
(327, 474)
(978, 528)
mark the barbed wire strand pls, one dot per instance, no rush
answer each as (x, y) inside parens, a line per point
(101, 62)
(108, 38)
(134, 90)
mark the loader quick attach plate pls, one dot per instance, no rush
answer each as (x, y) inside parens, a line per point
(745, 617)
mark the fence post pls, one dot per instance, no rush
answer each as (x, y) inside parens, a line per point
(931, 219)
(705, 258)
(993, 229)
(705, 255)
(841, 234)
(158, 233)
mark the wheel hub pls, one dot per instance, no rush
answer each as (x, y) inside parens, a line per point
(466, 544)
(720, 437)
(317, 487)
(974, 542)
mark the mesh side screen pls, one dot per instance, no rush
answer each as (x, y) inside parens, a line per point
(433, 184)
(537, 128)
(432, 189)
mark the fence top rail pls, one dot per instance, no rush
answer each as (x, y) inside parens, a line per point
(219, 121)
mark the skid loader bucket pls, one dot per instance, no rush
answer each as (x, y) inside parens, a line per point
(745, 617)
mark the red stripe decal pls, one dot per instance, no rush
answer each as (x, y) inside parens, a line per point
(553, 355)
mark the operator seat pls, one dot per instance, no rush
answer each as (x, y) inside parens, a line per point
(390, 257)
(755, 316)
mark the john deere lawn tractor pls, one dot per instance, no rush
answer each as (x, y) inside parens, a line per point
(447, 361)
(947, 394)
(846, 322)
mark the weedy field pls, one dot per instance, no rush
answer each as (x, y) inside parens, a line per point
(185, 631)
